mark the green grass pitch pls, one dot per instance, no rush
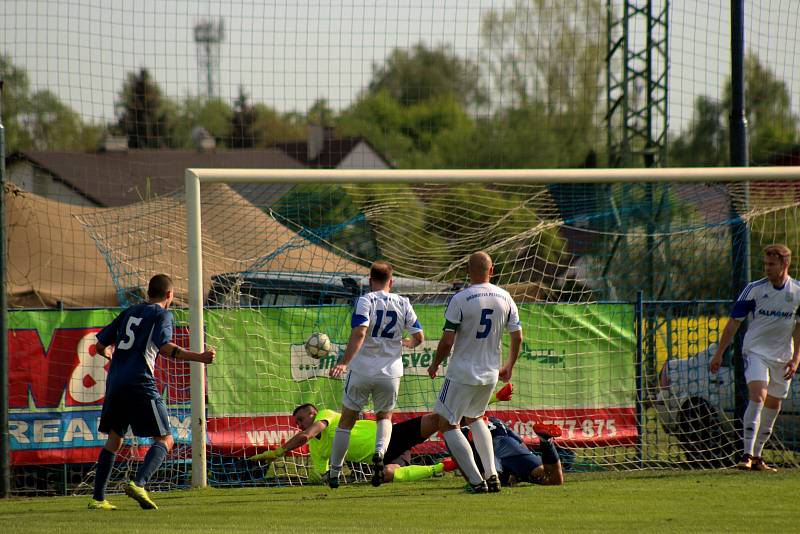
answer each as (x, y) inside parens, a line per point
(644, 501)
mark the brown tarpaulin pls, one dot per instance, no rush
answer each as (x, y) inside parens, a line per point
(53, 257)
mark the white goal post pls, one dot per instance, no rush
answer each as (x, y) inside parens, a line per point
(196, 178)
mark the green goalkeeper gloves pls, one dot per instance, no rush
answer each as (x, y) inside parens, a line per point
(268, 456)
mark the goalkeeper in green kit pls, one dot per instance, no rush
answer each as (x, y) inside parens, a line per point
(317, 428)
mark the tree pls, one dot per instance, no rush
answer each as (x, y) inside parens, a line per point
(214, 115)
(419, 74)
(705, 143)
(15, 105)
(546, 50)
(547, 65)
(414, 110)
(327, 214)
(243, 131)
(54, 125)
(144, 116)
(40, 121)
(520, 137)
(771, 123)
(768, 107)
(260, 126)
(433, 133)
(273, 127)
(321, 113)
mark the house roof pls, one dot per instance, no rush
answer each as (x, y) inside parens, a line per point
(785, 157)
(332, 154)
(119, 178)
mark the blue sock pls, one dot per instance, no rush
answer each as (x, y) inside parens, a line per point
(105, 461)
(152, 461)
(548, 450)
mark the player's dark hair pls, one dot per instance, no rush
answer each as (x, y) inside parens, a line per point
(159, 285)
(381, 271)
(303, 407)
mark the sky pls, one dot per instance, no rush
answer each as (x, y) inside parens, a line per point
(288, 53)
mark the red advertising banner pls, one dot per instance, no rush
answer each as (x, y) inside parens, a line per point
(244, 436)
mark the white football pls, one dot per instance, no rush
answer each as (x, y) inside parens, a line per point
(318, 345)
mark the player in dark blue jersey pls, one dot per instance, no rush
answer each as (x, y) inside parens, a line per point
(132, 341)
(516, 463)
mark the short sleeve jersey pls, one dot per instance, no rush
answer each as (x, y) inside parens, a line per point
(362, 441)
(506, 442)
(479, 314)
(773, 313)
(386, 316)
(137, 333)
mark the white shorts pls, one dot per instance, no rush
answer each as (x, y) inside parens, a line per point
(769, 371)
(359, 388)
(462, 400)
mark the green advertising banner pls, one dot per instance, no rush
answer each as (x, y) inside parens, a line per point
(46, 322)
(577, 369)
(574, 356)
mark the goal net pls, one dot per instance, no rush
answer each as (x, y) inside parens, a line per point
(623, 284)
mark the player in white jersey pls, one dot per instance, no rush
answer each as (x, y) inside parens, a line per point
(771, 349)
(375, 349)
(474, 322)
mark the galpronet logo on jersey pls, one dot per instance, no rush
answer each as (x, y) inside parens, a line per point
(776, 313)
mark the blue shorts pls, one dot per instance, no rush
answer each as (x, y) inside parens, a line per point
(137, 408)
(520, 466)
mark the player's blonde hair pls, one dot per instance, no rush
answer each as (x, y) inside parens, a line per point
(779, 251)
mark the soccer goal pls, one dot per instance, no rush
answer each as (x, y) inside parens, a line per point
(624, 280)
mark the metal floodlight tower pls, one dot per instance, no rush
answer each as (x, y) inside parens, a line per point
(637, 63)
(207, 36)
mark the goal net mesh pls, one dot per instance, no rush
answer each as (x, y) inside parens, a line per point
(106, 104)
(623, 291)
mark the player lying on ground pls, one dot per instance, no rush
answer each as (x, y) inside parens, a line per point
(516, 463)
(317, 428)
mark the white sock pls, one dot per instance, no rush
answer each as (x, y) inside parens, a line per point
(482, 439)
(341, 441)
(383, 435)
(459, 447)
(750, 423)
(768, 416)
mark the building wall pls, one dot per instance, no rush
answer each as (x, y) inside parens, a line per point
(21, 174)
(30, 178)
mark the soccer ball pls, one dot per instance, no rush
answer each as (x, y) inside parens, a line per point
(318, 345)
